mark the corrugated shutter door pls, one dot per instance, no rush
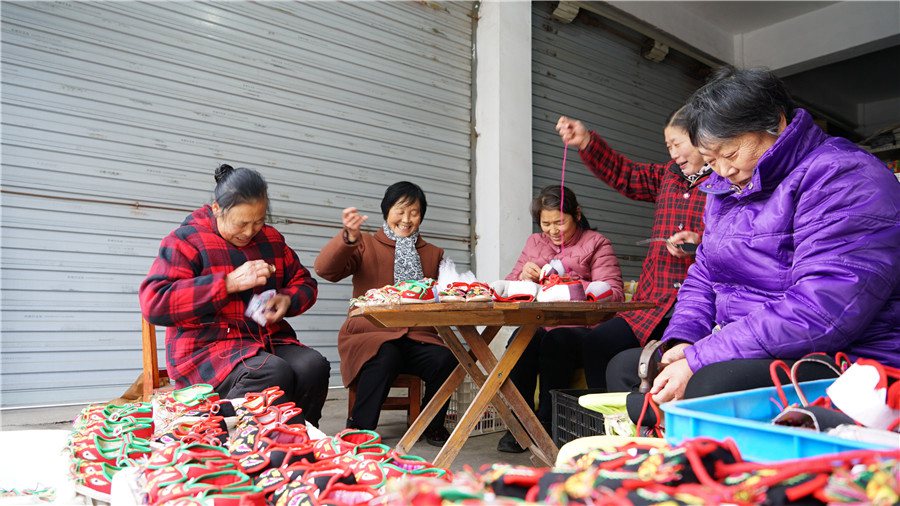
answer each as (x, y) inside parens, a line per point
(592, 70)
(115, 115)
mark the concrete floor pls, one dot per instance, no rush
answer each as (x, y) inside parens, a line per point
(478, 450)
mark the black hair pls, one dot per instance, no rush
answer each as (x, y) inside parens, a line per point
(735, 102)
(676, 119)
(548, 200)
(405, 192)
(239, 186)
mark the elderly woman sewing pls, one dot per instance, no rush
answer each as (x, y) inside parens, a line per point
(799, 253)
(199, 286)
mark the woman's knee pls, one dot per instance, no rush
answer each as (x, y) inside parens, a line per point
(446, 362)
(622, 371)
(555, 342)
(272, 371)
(316, 368)
(385, 362)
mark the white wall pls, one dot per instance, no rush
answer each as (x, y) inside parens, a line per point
(503, 146)
(684, 24)
(832, 33)
(823, 36)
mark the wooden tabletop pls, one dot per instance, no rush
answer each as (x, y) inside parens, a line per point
(495, 313)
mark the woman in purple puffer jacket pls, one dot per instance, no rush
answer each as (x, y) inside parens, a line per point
(801, 252)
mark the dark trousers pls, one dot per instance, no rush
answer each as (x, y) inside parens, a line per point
(718, 378)
(302, 373)
(431, 362)
(525, 373)
(568, 348)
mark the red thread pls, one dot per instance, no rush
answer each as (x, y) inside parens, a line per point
(562, 199)
(261, 339)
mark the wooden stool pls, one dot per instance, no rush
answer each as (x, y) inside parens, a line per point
(412, 403)
(154, 377)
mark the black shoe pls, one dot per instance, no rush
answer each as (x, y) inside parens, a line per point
(436, 436)
(508, 444)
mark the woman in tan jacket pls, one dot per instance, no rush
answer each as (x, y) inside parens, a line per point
(373, 356)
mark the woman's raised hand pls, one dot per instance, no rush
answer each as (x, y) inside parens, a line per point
(352, 221)
(249, 275)
(573, 132)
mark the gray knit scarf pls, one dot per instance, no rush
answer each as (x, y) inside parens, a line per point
(407, 264)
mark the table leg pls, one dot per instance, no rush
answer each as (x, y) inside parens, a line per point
(546, 449)
(443, 394)
(427, 415)
(479, 377)
(488, 391)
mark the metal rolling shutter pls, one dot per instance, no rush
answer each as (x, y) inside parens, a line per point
(116, 113)
(592, 70)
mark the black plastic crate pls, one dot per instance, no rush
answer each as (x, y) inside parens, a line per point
(571, 420)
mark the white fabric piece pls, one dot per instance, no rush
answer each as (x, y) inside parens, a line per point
(447, 274)
(557, 265)
(561, 293)
(551, 268)
(599, 289)
(855, 393)
(500, 287)
(522, 288)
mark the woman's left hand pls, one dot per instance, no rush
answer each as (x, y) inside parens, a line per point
(671, 381)
(673, 354)
(277, 307)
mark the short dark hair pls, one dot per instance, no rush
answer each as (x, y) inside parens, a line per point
(548, 200)
(406, 192)
(735, 102)
(239, 186)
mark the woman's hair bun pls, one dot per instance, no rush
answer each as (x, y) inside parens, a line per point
(222, 172)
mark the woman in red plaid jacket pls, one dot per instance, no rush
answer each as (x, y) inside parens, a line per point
(207, 271)
(674, 187)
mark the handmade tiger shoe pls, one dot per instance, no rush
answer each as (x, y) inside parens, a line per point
(479, 292)
(561, 289)
(454, 292)
(257, 402)
(416, 291)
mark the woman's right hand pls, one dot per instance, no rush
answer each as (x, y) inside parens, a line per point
(685, 236)
(249, 275)
(573, 132)
(530, 272)
(352, 221)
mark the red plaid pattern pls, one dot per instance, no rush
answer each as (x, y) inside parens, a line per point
(679, 206)
(208, 333)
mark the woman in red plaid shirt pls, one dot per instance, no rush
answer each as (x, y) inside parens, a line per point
(199, 286)
(674, 187)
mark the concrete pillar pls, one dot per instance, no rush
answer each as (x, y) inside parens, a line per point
(503, 171)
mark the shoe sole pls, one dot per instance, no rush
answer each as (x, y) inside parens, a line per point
(415, 301)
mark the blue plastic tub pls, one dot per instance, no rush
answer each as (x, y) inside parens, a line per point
(746, 418)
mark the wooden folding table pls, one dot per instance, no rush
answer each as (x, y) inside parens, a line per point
(466, 317)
